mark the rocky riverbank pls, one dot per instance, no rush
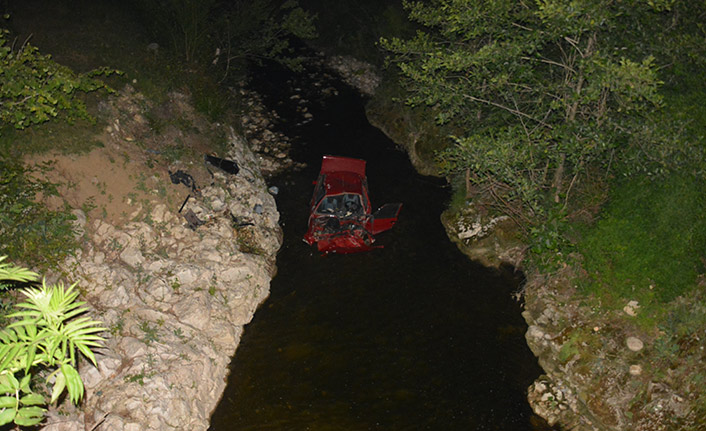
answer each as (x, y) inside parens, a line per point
(603, 370)
(173, 270)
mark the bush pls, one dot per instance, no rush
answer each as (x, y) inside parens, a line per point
(35, 88)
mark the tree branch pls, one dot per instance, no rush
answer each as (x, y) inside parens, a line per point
(552, 62)
(507, 108)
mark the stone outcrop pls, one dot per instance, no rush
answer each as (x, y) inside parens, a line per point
(419, 137)
(270, 146)
(175, 299)
(490, 240)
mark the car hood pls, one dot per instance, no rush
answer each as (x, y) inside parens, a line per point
(343, 182)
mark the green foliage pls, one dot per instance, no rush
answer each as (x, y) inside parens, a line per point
(208, 97)
(548, 242)
(498, 157)
(681, 41)
(544, 90)
(151, 332)
(458, 199)
(571, 347)
(649, 242)
(34, 88)
(28, 229)
(10, 272)
(52, 136)
(45, 332)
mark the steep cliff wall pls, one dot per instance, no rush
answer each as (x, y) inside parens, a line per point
(173, 278)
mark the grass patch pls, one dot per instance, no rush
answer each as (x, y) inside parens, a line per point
(208, 98)
(684, 98)
(458, 199)
(58, 136)
(648, 244)
(570, 348)
(247, 242)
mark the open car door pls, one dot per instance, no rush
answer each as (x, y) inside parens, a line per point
(385, 217)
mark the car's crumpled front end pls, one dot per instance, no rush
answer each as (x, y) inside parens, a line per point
(332, 234)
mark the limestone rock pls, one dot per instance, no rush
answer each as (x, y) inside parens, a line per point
(356, 73)
(132, 256)
(631, 308)
(634, 344)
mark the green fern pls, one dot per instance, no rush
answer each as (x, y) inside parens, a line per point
(9, 272)
(46, 331)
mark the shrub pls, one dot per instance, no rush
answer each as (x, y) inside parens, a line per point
(35, 88)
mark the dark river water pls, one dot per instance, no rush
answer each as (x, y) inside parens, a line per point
(413, 336)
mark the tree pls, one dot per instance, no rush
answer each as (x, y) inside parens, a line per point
(45, 333)
(261, 30)
(544, 92)
(184, 25)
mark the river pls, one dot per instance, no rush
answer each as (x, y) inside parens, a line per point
(413, 336)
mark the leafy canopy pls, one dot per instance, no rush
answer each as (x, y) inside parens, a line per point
(543, 92)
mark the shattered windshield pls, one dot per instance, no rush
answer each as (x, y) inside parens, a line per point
(347, 204)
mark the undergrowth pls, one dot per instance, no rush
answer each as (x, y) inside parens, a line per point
(353, 28)
(54, 136)
(29, 231)
(82, 38)
(641, 238)
(649, 241)
(648, 244)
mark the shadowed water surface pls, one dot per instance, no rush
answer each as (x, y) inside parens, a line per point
(410, 337)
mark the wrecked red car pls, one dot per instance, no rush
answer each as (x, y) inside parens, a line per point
(340, 219)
